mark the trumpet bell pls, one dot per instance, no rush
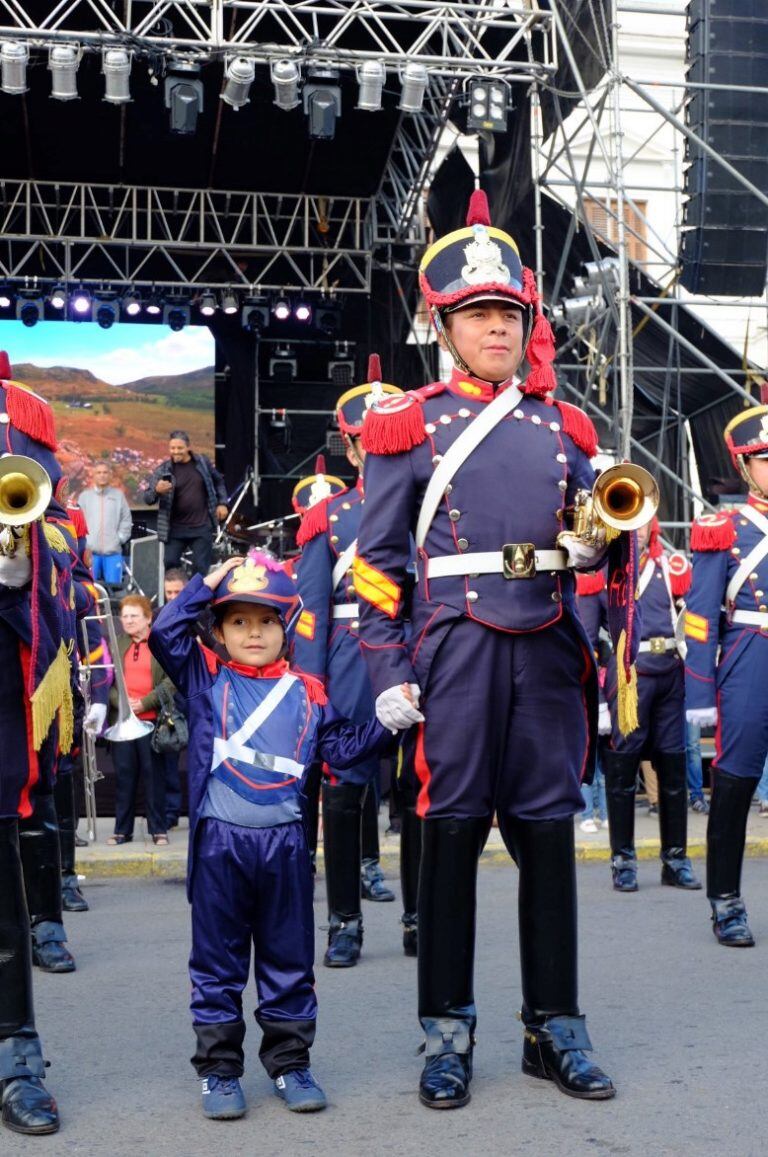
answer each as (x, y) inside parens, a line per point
(625, 496)
(129, 727)
(25, 490)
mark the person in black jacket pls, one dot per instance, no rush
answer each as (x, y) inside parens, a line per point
(192, 501)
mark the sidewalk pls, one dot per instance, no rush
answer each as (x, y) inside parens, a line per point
(142, 858)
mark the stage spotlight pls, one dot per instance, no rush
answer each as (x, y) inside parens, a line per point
(105, 313)
(229, 303)
(207, 304)
(285, 78)
(176, 316)
(153, 306)
(488, 105)
(601, 273)
(116, 66)
(5, 299)
(283, 366)
(341, 371)
(29, 310)
(322, 102)
(303, 312)
(13, 62)
(282, 308)
(255, 318)
(131, 303)
(238, 79)
(414, 78)
(63, 60)
(328, 319)
(58, 298)
(81, 302)
(371, 77)
(183, 96)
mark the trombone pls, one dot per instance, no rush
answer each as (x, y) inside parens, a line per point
(128, 726)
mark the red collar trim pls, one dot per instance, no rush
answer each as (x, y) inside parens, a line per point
(758, 503)
(467, 386)
(271, 671)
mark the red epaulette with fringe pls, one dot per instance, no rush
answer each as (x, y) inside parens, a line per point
(30, 414)
(590, 584)
(315, 690)
(578, 426)
(395, 425)
(713, 532)
(77, 518)
(680, 574)
(314, 522)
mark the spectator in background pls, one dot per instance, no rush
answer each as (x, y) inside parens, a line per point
(192, 501)
(134, 758)
(173, 584)
(109, 525)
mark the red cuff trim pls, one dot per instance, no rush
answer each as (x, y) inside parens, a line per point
(590, 584)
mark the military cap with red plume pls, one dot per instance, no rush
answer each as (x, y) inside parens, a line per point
(482, 263)
(315, 487)
(354, 404)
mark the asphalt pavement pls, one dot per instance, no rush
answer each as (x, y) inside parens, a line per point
(679, 1022)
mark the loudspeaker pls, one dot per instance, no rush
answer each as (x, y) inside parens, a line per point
(146, 563)
(724, 251)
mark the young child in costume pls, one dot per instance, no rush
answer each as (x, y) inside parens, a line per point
(255, 727)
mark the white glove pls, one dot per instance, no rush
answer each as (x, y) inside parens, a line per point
(16, 571)
(704, 716)
(395, 711)
(580, 554)
(604, 720)
(94, 718)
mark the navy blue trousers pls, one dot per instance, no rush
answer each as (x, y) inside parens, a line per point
(506, 723)
(660, 710)
(252, 886)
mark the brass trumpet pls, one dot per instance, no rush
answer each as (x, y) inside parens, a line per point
(25, 491)
(624, 497)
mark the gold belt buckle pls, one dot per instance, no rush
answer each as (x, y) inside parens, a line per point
(519, 560)
(658, 646)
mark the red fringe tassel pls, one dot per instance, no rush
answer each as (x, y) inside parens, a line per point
(717, 535)
(315, 690)
(77, 518)
(590, 584)
(30, 415)
(579, 427)
(314, 522)
(679, 580)
(394, 431)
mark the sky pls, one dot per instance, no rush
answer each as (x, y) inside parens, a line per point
(121, 354)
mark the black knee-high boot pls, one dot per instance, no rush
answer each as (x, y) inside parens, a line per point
(27, 1107)
(556, 1040)
(371, 875)
(39, 843)
(446, 916)
(676, 870)
(73, 899)
(342, 806)
(726, 836)
(410, 859)
(620, 771)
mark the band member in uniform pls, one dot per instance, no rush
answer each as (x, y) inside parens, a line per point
(499, 675)
(661, 736)
(37, 599)
(327, 646)
(306, 494)
(727, 659)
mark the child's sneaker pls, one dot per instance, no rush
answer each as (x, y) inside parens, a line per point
(300, 1091)
(222, 1098)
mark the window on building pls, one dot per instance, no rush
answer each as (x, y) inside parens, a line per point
(602, 216)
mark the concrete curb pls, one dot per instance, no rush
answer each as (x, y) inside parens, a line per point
(171, 863)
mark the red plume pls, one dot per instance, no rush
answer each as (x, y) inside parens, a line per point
(478, 212)
(320, 464)
(763, 392)
(374, 368)
(5, 366)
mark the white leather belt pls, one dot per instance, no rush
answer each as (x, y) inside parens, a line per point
(751, 618)
(657, 646)
(345, 611)
(517, 560)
